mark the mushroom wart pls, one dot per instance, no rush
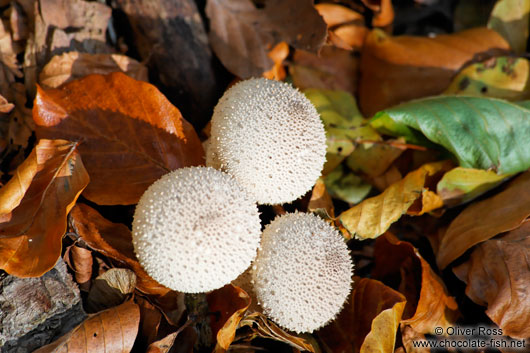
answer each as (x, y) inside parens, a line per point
(269, 136)
(195, 230)
(303, 271)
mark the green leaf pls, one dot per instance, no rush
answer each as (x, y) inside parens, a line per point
(343, 122)
(510, 18)
(345, 185)
(461, 185)
(482, 133)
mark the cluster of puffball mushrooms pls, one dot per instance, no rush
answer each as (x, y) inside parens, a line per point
(197, 229)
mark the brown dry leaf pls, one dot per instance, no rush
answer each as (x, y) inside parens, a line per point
(344, 24)
(241, 34)
(333, 68)
(373, 216)
(261, 326)
(500, 213)
(110, 331)
(110, 289)
(34, 205)
(81, 262)
(320, 201)
(497, 275)
(5, 106)
(130, 133)
(61, 26)
(177, 342)
(21, 125)
(428, 302)
(150, 319)
(426, 65)
(278, 54)
(230, 303)
(384, 16)
(368, 322)
(9, 68)
(73, 65)
(114, 240)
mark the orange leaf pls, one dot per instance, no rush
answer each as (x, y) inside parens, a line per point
(369, 321)
(385, 14)
(110, 331)
(428, 302)
(129, 133)
(398, 69)
(485, 219)
(497, 275)
(230, 302)
(34, 205)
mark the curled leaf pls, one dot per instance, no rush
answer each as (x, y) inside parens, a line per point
(368, 322)
(129, 133)
(511, 18)
(34, 205)
(373, 216)
(500, 213)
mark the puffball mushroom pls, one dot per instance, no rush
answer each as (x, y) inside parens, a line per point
(269, 136)
(303, 272)
(195, 230)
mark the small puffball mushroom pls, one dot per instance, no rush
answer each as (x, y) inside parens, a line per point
(303, 272)
(269, 136)
(195, 230)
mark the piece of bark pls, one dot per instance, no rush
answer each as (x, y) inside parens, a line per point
(171, 36)
(34, 311)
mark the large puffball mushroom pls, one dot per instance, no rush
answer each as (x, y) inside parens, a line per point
(303, 271)
(269, 136)
(195, 230)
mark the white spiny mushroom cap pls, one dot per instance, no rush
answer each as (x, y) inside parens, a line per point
(195, 230)
(302, 274)
(269, 136)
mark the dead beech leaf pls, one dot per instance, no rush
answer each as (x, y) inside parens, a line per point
(110, 331)
(368, 322)
(73, 65)
(110, 289)
(5, 106)
(9, 67)
(81, 262)
(343, 23)
(263, 327)
(384, 16)
(34, 205)
(500, 213)
(428, 302)
(130, 133)
(333, 68)
(373, 216)
(320, 201)
(278, 54)
(230, 302)
(426, 65)
(114, 240)
(497, 275)
(241, 34)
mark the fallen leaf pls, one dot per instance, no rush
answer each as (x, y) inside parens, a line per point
(373, 216)
(5, 106)
(110, 331)
(344, 23)
(9, 67)
(497, 275)
(385, 15)
(426, 65)
(34, 205)
(511, 18)
(461, 185)
(344, 185)
(428, 302)
(343, 122)
(278, 54)
(81, 262)
(373, 159)
(73, 65)
(129, 133)
(261, 326)
(114, 240)
(110, 289)
(241, 34)
(500, 213)
(177, 342)
(228, 304)
(368, 322)
(320, 202)
(482, 133)
(333, 68)
(150, 320)
(500, 77)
